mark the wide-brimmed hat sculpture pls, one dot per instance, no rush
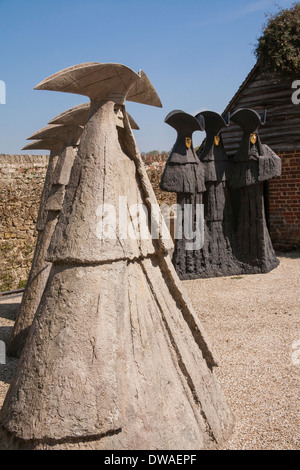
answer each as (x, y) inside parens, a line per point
(116, 357)
(62, 142)
(252, 166)
(184, 175)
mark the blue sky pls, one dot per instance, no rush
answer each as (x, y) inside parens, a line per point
(196, 53)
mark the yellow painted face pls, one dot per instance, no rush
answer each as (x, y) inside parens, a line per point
(188, 142)
(217, 140)
(253, 138)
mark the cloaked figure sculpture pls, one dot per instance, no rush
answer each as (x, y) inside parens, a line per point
(116, 357)
(184, 175)
(252, 165)
(61, 141)
(61, 137)
(216, 257)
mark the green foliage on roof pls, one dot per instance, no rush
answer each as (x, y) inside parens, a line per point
(278, 49)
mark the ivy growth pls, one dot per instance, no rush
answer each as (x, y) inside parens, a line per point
(278, 49)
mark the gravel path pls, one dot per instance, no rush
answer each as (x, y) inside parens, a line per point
(253, 323)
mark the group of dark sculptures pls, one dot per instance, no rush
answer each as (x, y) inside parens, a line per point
(236, 238)
(112, 354)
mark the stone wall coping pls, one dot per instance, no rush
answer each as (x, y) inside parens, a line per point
(23, 161)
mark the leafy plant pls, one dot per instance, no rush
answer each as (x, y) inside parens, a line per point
(22, 284)
(278, 49)
(6, 281)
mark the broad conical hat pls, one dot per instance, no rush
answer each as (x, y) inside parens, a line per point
(248, 119)
(60, 133)
(98, 81)
(213, 122)
(42, 144)
(78, 116)
(183, 123)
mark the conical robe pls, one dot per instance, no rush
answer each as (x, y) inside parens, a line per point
(40, 267)
(57, 178)
(184, 175)
(216, 257)
(116, 358)
(252, 165)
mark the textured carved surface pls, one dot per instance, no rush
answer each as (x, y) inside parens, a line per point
(236, 238)
(252, 164)
(62, 154)
(116, 357)
(184, 174)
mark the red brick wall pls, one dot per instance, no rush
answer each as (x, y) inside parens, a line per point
(284, 201)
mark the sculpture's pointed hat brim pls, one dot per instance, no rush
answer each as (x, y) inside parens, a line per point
(143, 92)
(78, 116)
(98, 81)
(248, 119)
(132, 123)
(183, 123)
(40, 145)
(213, 121)
(60, 133)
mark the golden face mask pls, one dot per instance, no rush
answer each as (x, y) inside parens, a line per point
(188, 142)
(217, 140)
(253, 138)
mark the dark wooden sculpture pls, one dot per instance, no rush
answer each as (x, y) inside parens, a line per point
(216, 258)
(252, 165)
(184, 175)
(236, 237)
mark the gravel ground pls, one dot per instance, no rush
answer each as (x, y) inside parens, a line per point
(253, 323)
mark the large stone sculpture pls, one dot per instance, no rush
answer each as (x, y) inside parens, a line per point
(252, 165)
(116, 357)
(61, 137)
(184, 175)
(61, 141)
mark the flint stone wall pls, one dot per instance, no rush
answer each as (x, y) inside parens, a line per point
(21, 183)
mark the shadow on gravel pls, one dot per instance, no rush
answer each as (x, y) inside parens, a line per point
(290, 254)
(8, 310)
(7, 370)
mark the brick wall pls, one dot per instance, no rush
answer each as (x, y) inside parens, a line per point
(284, 195)
(21, 183)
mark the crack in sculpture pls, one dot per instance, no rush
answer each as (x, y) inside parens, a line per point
(12, 442)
